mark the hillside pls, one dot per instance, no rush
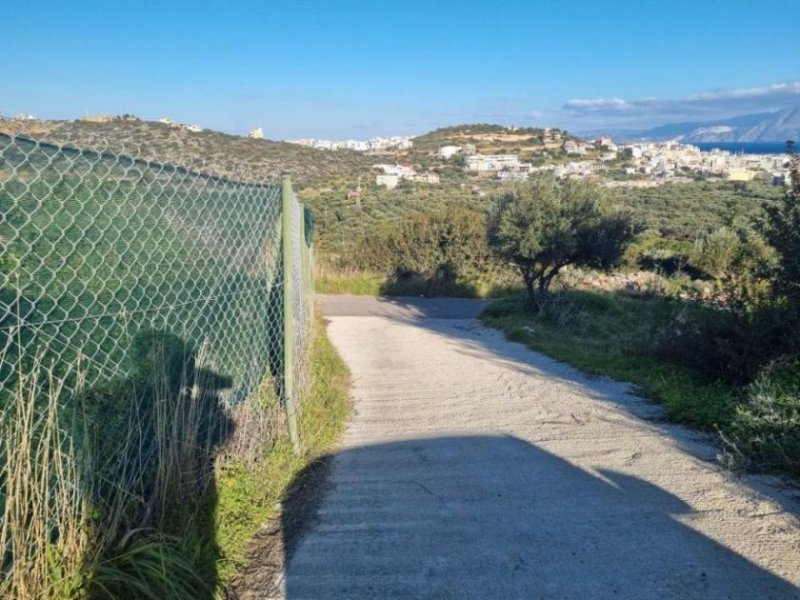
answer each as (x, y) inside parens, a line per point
(246, 158)
(210, 151)
(492, 139)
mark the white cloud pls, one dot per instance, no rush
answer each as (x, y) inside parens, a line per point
(776, 89)
(597, 104)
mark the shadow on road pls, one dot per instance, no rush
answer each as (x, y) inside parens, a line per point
(497, 517)
(403, 308)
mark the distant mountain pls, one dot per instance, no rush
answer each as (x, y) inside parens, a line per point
(785, 125)
(762, 127)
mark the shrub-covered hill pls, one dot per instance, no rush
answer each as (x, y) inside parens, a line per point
(685, 210)
(212, 151)
(245, 158)
(492, 139)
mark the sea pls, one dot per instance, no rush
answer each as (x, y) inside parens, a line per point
(743, 147)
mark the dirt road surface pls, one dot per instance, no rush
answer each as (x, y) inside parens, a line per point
(476, 468)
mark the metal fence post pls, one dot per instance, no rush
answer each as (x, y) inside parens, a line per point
(288, 314)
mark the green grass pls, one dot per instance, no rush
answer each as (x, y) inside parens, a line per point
(324, 415)
(357, 284)
(151, 568)
(250, 495)
(610, 335)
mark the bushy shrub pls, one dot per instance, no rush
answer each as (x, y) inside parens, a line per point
(652, 252)
(766, 429)
(738, 260)
(716, 253)
(732, 345)
(435, 249)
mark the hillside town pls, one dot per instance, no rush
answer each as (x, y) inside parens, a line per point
(643, 164)
(376, 144)
(391, 175)
(638, 164)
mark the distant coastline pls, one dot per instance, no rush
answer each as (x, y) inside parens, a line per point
(743, 147)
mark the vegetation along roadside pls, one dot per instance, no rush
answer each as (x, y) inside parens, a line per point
(727, 360)
(167, 510)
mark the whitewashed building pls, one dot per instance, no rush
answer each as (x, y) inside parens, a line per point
(387, 180)
(492, 162)
(447, 152)
(571, 147)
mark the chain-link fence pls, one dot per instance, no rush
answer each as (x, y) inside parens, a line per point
(102, 253)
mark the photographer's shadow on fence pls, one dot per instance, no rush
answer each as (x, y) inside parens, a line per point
(498, 517)
(153, 439)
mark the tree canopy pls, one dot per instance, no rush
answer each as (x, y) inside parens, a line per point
(783, 233)
(438, 246)
(543, 225)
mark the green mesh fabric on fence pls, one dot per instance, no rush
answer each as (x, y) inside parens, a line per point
(101, 252)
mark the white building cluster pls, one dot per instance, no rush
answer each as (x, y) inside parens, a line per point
(572, 147)
(578, 168)
(672, 159)
(651, 162)
(183, 126)
(392, 175)
(503, 166)
(448, 152)
(602, 144)
(377, 144)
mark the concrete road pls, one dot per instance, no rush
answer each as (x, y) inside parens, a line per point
(476, 468)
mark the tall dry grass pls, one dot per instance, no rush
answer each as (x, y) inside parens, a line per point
(99, 489)
(46, 532)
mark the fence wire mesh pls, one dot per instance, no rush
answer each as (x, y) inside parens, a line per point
(102, 252)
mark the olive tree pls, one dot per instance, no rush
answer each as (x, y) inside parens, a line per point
(543, 225)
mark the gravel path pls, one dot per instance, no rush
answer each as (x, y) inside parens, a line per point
(476, 468)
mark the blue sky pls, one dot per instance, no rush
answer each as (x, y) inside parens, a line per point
(364, 68)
